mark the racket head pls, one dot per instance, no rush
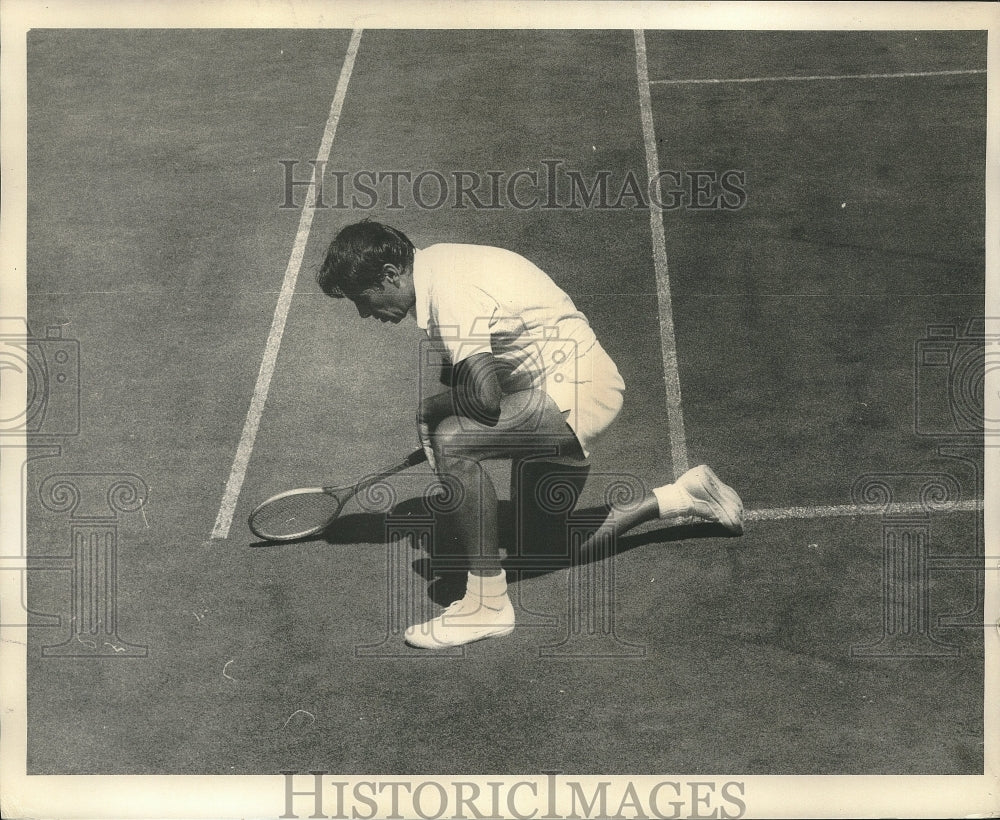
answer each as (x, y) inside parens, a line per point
(296, 513)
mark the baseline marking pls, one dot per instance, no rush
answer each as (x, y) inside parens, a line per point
(794, 78)
(851, 510)
(224, 519)
(668, 341)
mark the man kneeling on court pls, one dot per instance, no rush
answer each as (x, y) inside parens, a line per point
(496, 315)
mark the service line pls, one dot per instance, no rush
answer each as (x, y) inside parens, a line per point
(814, 77)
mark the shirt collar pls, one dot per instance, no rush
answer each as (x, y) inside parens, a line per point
(421, 307)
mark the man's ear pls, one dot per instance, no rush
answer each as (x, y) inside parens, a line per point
(391, 273)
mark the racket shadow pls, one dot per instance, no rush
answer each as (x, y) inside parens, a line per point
(353, 528)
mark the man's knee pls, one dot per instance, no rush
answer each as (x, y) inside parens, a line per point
(455, 444)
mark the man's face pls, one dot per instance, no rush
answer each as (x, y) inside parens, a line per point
(389, 301)
(382, 302)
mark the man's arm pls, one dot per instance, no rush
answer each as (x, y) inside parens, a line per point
(475, 393)
(476, 389)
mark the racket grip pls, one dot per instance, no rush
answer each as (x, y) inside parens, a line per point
(414, 458)
(418, 456)
(424, 434)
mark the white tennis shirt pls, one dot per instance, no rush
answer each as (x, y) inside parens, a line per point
(473, 299)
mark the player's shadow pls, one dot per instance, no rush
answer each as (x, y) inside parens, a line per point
(445, 566)
(445, 569)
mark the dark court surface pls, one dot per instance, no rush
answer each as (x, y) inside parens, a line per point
(156, 239)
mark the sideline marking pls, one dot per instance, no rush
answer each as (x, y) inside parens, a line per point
(668, 341)
(793, 78)
(225, 518)
(850, 510)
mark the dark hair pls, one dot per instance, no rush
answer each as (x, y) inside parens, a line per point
(355, 258)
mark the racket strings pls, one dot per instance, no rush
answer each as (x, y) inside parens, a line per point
(294, 515)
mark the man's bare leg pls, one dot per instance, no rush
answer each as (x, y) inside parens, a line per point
(696, 495)
(529, 422)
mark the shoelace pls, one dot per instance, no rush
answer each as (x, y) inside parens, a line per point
(482, 605)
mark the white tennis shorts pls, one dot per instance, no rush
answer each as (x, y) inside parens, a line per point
(593, 398)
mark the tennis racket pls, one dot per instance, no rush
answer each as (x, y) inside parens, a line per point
(299, 513)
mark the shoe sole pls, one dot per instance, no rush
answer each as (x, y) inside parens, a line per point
(723, 499)
(438, 645)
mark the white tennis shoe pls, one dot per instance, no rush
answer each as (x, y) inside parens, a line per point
(467, 620)
(712, 499)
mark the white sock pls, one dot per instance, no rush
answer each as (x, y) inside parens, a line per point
(674, 501)
(489, 589)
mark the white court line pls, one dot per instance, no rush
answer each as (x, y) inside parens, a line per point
(668, 341)
(794, 78)
(851, 510)
(225, 518)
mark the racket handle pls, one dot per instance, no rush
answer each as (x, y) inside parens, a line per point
(416, 457)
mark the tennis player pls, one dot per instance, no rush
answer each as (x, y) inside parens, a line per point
(528, 377)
